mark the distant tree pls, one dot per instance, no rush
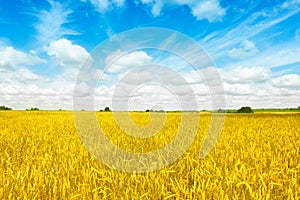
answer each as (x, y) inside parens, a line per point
(298, 107)
(221, 111)
(106, 109)
(147, 110)
(5, 108)
(32, 109)
(231, 111)
(245, 109)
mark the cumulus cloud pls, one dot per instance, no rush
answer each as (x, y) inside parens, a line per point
(23, 76)
(27, 76)
(82, 89)
(23, 88)
(118, 62)
(68, 54)
(248, 49)
(290, 81)
(151, 96)
(238, 89)
(144, 97)
(245, 74)
(33, 95)
(200, 89)
(210, 10)
(192, 77)
(10, 58)
(30, 90)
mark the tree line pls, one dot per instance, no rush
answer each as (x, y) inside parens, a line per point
(244, 109)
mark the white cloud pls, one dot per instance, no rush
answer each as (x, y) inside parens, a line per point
(6, 66)
(278, 55)
(192, 77)
(22, 76)
(26, 76)
(28, 91)
(104, 91)
(23, 88)
(144, 97)
(118, 62)
(218, 43)
(10, 58)
(82, 89)
(245, 74)
(33, 95)
(151, 96)
(290, 4)
(280, 91)
(52, 23)
(209, 9)
(6, 89)
(157, 7)
(248, 49)
(68, 54)
(290, 81)
(100, 75)
(142, 75)
(100, 5)
(104, 5)
(147, 1)
(200, 89)
(238, 89)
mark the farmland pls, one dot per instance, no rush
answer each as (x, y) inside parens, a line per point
(256, 157)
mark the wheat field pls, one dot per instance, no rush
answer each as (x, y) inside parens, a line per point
(256, 157)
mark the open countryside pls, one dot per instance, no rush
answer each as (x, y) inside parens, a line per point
(149, 100)
(256, 157)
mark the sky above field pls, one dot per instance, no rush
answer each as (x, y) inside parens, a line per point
(255, 45)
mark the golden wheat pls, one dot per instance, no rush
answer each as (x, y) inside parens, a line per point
(256, 157)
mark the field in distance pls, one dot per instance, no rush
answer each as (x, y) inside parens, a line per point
(256, 157)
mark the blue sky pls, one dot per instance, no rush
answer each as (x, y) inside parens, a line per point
(255, 46)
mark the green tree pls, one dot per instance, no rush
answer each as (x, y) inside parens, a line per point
(221, 110)
(106, 109)
(245, 109)
(32, 109)
(5, 108)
